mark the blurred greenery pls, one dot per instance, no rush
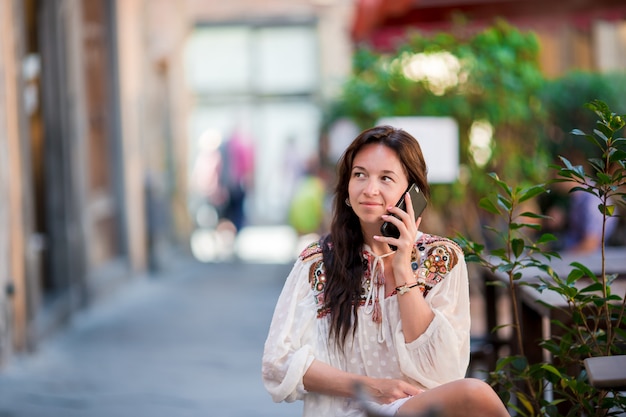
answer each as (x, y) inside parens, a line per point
(498, 81)
(562, 99)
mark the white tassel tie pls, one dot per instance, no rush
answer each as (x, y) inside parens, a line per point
(376, 294)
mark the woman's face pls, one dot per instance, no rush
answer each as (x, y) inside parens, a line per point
(377, 180)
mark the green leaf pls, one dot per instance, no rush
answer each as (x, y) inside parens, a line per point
(473, 258)
(532, 215)
(502, 184)
(610, 278)
(518, 247)
(497, 284)
(516, 226)
(545, 238)
(583, 268)
(607, 210)
(597, 163)
(576, 171)
(504, 203)
(617, 155)
(601, 135)
(605, 131)
(503, 362)
(519, 411)
(525, 402)
(520, 363)
(597, 286)
(574, 275)
(501, 326)
(532, 192)
(603, 179)
(486, 204)
(551, 369)
(505, 267)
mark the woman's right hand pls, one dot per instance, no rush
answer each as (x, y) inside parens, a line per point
(325, 379)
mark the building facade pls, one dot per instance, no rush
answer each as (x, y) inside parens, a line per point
(88, 153)
(97, 116)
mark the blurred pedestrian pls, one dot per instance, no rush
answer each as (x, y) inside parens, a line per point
(209, 195)
(355, 313)
(307, 207)
(577, 221)
(237, 176)
(574, 217)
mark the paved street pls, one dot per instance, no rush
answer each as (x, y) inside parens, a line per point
(185, 343)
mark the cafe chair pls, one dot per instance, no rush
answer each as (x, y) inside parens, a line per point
(364, 400)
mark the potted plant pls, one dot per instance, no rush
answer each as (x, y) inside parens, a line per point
(594, 321)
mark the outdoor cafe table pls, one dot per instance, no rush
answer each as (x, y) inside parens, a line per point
(535, 315)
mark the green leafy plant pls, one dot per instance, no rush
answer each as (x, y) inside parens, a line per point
(497, 81)
(594, 321)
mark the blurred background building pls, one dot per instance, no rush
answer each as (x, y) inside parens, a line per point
(132, 129)
(583, 34)
(103, 105)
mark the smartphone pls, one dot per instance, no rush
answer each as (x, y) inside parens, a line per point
(419, 203)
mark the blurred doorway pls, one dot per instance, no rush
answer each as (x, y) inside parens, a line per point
(261, 80)
(74, 150)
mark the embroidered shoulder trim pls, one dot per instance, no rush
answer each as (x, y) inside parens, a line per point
(438, 256)
(427, 239)
(314, 250)
(313, 256)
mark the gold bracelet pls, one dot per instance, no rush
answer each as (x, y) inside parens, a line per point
(403, 289)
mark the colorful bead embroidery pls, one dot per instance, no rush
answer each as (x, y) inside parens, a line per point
(311, 251)
(438, 256)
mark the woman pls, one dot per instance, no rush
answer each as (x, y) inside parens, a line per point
(355, 313)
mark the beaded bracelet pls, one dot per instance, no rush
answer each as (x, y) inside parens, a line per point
(403, 289)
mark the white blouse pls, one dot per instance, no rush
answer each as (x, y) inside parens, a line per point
(299, 329)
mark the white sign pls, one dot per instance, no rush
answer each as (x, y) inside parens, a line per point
(439, 140)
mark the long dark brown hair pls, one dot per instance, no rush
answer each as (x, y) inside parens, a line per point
(343, 247)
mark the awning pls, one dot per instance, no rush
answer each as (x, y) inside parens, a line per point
(380, 22)
(372, 14)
